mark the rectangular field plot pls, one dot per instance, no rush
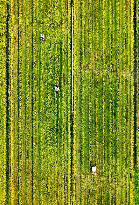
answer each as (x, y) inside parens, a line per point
(68, 102)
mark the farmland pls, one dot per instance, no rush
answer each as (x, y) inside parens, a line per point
(50, 140)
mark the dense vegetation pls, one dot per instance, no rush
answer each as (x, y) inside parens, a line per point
(49, 141)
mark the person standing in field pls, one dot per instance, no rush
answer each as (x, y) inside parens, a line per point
(56, 88)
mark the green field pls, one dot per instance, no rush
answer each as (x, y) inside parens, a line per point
(49, 141)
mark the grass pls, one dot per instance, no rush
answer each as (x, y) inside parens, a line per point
(2, 103)
(110, 96)
(51, 150)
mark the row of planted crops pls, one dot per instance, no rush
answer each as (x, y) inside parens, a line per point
(50, 140)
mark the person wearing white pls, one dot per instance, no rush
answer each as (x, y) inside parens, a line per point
(56, 88)
(42, 37)
(94, 170)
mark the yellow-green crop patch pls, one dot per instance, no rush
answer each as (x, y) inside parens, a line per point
(68, 102)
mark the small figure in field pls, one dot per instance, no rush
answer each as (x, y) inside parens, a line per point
(42, 37)
(94, 169)
(56, 88)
